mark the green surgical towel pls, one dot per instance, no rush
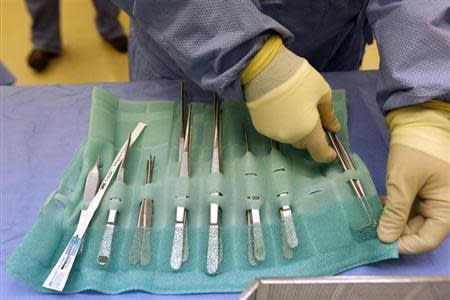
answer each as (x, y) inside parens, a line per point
(328, 216)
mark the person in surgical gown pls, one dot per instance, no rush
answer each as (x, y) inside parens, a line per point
(269, 52)
(46, 36)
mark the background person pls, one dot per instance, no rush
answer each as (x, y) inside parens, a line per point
(46, 35)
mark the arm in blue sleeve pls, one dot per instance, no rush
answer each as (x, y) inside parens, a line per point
(211, 41)
(413, 39)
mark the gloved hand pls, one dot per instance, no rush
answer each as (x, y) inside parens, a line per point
(418, 166)
(289, 101)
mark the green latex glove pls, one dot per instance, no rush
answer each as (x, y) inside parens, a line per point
(418, 167)
(289, 101)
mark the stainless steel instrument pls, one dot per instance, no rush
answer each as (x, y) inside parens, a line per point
(180, 245)
(214, 253)
(58, 276)
(256, 248)
(140, 248)
(104, 253)
(347, 164)
(90, 189)
(289, 238)
(349, 288)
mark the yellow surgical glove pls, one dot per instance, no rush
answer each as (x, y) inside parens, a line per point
(289, 101)
(418, 167)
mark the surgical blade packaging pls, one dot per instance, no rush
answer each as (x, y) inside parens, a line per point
(59, 275)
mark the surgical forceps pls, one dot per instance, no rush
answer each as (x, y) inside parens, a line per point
(180, 245)
(140, 248)
(289, 238)
(347, 164)
(104, 253)
(255, 247)
(214, 253)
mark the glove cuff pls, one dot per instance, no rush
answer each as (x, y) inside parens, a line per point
(262, 59)
(424, 127)
(285, 115)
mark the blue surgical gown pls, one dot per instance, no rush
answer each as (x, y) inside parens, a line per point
(211, 42)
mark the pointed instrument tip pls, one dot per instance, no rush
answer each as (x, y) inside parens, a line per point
(150, 168)
(187, 136)
(121, 173)
(275, 145)
(182, 111)
(123, 165)
(98, 163)
(246, 143)
(216, 120)
(182, 99)
(215, 98)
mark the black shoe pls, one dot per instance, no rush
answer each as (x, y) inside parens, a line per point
(119, 43)
(39, 59)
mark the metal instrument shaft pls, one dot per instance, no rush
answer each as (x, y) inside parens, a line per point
(256, 248)
(104, 253)
(140, 248)
(180, 245)
(90, 189)
(214, 253)
(289, 238)
(347, 164)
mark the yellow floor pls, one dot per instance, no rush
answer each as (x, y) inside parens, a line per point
(371, 59)
(86, 57)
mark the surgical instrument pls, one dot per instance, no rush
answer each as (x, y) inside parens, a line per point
(214, 253)
(182, 122)
(180, 245)
(92, 183)
(255, 247)
(90, 189)
(58, 276)
(347, 164)
(140, 248)
(104, 253)
(289, 238)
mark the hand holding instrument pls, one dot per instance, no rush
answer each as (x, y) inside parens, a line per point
(288, 100)
(347, 164)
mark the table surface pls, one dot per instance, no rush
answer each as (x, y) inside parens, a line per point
(41, 127)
